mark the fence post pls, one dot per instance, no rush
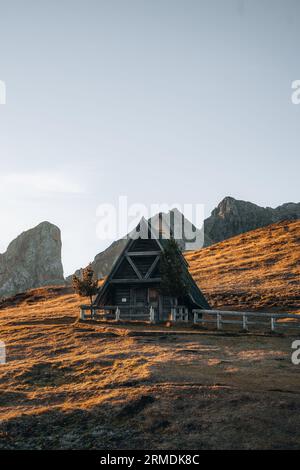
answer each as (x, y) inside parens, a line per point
(82, 314)
(173, 314)
(245, 326)
(152, 318)
(219, 321)
(273, 322)
(186, 314)
(117, 314)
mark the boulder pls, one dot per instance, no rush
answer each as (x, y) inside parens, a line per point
(32, 260)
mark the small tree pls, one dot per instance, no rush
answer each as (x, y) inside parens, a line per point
(86, 285)
(172, 271)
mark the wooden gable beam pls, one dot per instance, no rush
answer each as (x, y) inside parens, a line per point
(135, 281)
(150, 270)
(143, 253)
(137, 272)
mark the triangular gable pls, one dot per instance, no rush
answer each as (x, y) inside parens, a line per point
(144, 244)
(140, 269)
(133, 241)
(125, 269)
(143, 264)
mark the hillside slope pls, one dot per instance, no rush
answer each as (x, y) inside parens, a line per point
(258, 269)
(72, 385)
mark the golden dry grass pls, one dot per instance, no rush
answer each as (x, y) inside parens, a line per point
(76, 385)
(256, 270)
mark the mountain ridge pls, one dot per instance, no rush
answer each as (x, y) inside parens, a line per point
(233, 216)
(33, 259)
(230, 218)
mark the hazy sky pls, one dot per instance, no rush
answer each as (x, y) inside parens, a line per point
(160, 100)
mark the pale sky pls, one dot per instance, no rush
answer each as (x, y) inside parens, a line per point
(164, 101)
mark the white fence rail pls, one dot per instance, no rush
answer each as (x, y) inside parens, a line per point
(219, 318)
(179, 313)
(128, 312)
(246, 319)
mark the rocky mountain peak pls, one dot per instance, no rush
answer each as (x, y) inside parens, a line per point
(227, 205)
(33, 259)
(233, 217)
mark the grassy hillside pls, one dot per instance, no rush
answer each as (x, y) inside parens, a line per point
(257, 270)
(68, 384)
(76, 385)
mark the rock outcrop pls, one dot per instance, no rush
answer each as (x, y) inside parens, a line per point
(32, 260)
(233, 217)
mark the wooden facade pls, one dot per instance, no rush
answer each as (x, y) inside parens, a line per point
(133, 284)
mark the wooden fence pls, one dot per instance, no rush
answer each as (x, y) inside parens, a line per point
(274, 321)
(113, 312)
(179, 313)
(219, 318)
(130, 312)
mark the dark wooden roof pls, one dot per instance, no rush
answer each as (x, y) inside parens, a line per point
(159, 243)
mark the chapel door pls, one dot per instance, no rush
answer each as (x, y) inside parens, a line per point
(141, 301)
